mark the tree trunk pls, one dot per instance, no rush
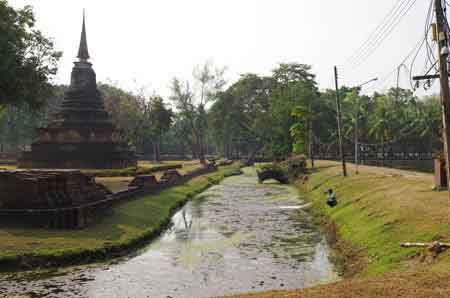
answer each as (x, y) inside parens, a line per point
(194, 151)
(158, 149)
(155, 152)
(181, 150)
(201, 153)
(311, 143)
(227, 150)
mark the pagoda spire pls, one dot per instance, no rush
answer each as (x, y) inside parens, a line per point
(83, 53)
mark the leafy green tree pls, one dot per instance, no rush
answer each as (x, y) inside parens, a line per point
(161, 118)
(239, 117)
(127, 111)
(28, 59)
(427, 121)
(299, 130)
(295, 87)
(183, 98)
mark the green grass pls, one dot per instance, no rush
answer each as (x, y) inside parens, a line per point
(124, 226)
(379, 209)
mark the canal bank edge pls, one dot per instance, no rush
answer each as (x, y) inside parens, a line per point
(377, 210)
(349, 259)
(127, 227)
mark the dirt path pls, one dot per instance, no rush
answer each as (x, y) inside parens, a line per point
(390, 172)
(393, 285)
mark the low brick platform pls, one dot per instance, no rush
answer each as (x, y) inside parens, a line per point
(43, 189)
(69, 199)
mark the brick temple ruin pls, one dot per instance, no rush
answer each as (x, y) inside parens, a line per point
(70, 199)
(49, 198)
(46, 189)
(81, 134)
(49, 192)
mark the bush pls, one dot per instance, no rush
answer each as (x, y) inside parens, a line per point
(285, 171)
(295, 166)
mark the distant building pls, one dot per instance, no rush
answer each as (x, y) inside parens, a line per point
(81, 133)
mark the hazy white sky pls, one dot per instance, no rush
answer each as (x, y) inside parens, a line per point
(147, 42)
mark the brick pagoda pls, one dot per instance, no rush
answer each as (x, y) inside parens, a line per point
(81, 134)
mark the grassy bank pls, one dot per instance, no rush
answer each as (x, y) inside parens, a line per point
(123, 227)
(378, 209)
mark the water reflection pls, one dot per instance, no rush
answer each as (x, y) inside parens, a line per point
(237, 237)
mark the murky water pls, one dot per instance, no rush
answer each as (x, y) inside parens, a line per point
(238, 236)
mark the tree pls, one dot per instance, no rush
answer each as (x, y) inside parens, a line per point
(140, 119)
(161, 118)
(239, 117)
(192, 108)
(255, 113)
(295, 86)
(127, 111)
(183, 97)
(28, 59)
(210, 79)
(211, 82)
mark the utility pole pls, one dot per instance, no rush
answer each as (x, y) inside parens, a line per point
(443, 77)
(356, 137)
(311, 144)
(358, 88)
(339, 123)
(311, 137)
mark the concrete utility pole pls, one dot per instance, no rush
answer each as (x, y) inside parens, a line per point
(443, 51)
(311, 138)
(339, 123)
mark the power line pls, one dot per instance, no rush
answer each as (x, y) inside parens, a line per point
(415, 50)
(382, 37)
(429, 49)
(416, 46)
(382, 31)
(381, 34)
(375, 32)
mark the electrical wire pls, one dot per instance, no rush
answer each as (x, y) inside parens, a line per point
(414, 51)
(386, 29)
(375, 32)
(429, 49)
(416, 46)
(378, 42)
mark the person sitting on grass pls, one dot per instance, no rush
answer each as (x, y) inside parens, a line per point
(331, 200)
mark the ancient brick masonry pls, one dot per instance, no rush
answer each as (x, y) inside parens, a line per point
(50, 198)
(69, 199)
(41, 189)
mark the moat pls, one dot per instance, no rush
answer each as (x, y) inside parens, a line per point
(238, 236)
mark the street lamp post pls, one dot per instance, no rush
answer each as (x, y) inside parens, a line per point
(356, 123)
